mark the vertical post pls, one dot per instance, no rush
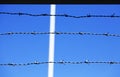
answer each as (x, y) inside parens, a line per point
(51, 42)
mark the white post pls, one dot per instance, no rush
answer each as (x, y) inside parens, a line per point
(51, 42)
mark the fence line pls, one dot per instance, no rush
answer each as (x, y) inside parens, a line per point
(63, 15)
(59, 33)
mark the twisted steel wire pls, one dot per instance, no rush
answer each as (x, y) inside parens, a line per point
(58, 33)
(63, 15)
(60, 62)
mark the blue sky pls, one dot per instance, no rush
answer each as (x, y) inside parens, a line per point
(30, 48)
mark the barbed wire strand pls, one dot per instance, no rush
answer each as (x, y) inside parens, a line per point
(63, 15)
(60, 62)
(58, 33)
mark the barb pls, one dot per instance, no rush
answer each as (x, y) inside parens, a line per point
(58, 33)
(60, 62)
(63, 15)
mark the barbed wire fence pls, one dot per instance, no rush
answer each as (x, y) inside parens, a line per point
(59, 33)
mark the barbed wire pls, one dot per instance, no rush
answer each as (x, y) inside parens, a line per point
(60, 62)
(58, 33)
(63, 15)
